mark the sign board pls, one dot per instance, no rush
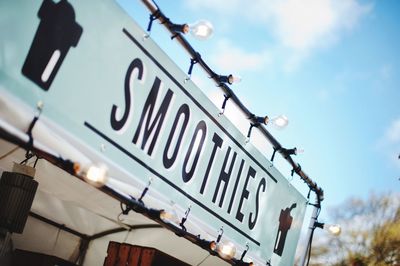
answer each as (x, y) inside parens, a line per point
(102, 82)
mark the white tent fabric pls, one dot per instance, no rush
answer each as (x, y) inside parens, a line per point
(69, 202)
(73, 203)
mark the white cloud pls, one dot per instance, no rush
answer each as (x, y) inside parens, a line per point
(222, 6)
(297, 24)
(228, 57)
(301, 25)
(313, 23)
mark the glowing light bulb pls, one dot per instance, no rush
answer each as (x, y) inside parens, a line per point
(201, 29)
(234, 79)
(96, 175)
(280, 122)
(226, 250)
(168, 216)
(333, 229)
(213, 246)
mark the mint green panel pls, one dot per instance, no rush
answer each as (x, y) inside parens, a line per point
(102, 82)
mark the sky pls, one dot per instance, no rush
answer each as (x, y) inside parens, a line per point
(332, 67)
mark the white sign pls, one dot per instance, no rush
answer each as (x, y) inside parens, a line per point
(104, 83)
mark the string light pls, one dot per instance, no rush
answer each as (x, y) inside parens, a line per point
(230, 79)
(226, 250)
(201, 29)
(95, 175)
(333, 229)
(168, 216)
(280, 121)
(182, 28)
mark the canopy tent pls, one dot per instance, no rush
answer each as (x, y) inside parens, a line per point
(81, 124)
(66, 208)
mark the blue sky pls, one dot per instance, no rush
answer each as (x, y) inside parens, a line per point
(331, 66)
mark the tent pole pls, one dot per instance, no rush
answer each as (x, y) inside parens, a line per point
(310, 231)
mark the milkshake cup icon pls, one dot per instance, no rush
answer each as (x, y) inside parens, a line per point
(56, 34)
(285, 221)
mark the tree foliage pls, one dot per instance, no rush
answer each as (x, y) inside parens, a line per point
(370, 233)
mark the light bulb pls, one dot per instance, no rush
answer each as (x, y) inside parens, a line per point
(96, 175)
(333, 229)
(280, 122)
(226, 250)
(234, 79)
(213, 245)
(201, 29)
(168, 216)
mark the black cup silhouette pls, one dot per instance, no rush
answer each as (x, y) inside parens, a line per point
(57, 32)
(285, 221)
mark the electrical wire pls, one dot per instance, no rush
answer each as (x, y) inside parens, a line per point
(309, 247)
(312, 233)
(37, 159)
(196, 58)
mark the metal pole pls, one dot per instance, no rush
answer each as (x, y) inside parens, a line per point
(311, 227)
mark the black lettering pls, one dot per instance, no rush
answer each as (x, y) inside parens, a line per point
(186, 176)
(245, 194)
(224, 176)
(217, 144)
(158, 119)
(183, 110)
(116, 123)
(252, 222)
(236, 185)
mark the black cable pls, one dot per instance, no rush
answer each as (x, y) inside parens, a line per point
(273, 154)
(312, 232)
(193, 61)
(29, 132)
(309, 246)
(126, 210)
(196, 58)
(226, 96)
(153, 17)
(37, 159)
(28, 156)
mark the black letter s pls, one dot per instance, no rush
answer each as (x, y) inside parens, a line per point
(116, 123)
(253, 223)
